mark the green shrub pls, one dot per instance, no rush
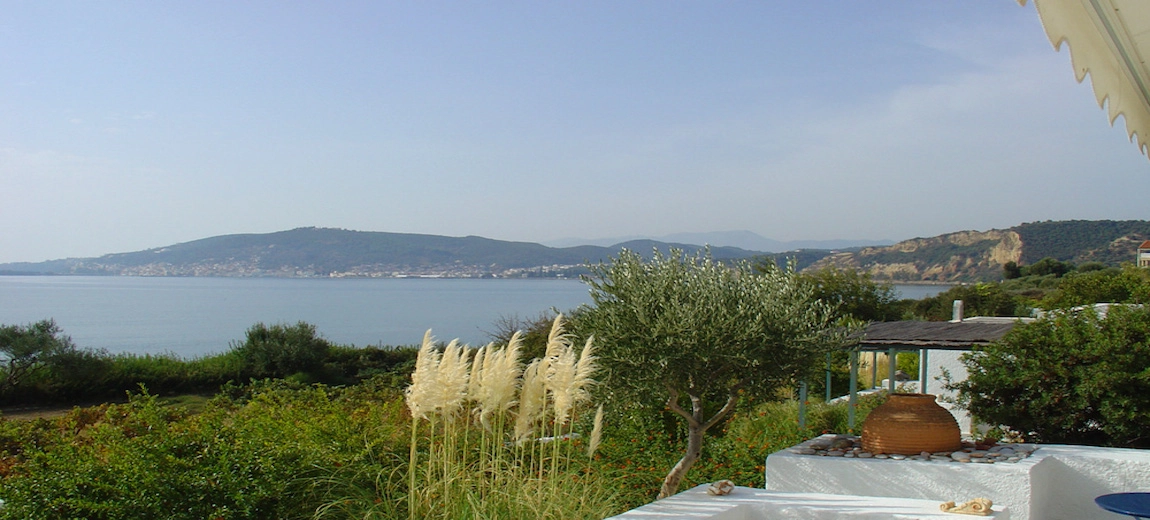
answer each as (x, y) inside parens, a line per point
(47, 368)
(351, 364)
(86, 375)
(693, 335)
(281, 350)
(248, 459)
(1073, 377)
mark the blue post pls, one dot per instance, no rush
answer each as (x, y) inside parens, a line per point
(853, 391)
(803, 406)
(828, 398)
(922, 371)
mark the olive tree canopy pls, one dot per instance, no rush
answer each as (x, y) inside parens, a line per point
(694, 333)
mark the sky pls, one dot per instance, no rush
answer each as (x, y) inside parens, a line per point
(131, 125)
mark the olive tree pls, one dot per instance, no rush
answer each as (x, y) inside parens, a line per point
(697, 334)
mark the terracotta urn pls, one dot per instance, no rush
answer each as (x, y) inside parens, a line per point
(910, 424)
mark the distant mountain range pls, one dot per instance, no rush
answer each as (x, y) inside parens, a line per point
(964, 256)
(742, 239)
(322, 252)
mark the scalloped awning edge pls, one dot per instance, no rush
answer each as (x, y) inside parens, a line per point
(1107, 40)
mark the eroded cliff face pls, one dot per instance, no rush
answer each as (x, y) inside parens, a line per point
(1009, 248)
(965, 256)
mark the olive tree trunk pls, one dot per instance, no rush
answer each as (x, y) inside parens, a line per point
(696, 428)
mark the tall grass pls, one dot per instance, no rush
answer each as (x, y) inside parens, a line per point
(492, 438)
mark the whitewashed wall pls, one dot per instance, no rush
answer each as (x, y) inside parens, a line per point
(939, 362)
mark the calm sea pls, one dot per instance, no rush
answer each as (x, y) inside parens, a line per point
(191, 317)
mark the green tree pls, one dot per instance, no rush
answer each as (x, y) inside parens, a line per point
(854, 294)
(983, 299)
(697, 334)
(282, 350)
(27, 350)
(1010, 270)
(1074, 377)
(1047, 266)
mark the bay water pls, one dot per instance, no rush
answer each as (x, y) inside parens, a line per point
(192, 317)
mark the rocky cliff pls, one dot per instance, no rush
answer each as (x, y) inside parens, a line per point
(964, 256)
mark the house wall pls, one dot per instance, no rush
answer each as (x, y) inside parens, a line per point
(941, 364)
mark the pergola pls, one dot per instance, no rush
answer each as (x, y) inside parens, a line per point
(922, 336)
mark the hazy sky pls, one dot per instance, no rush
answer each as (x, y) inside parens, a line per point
(129, 125)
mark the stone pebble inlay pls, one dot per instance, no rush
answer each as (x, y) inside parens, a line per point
(850, 446)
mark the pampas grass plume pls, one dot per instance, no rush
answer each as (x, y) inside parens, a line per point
(596, 433)
(584, 370)
(556, 339)
(560, 376)
(500, 379)
(451, 379)
(420, 398)
(509, 369)
(476, 377)
(532, 399)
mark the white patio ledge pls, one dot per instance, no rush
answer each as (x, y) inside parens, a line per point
(1057, 482)
(746, 503)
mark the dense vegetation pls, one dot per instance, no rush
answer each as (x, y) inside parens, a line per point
(284, 449)
(1073, 377)
(258, 453)
(43, 366)
(1053, 285)
(1081, 241)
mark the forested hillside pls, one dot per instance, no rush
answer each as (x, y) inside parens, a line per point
(1106, 241)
